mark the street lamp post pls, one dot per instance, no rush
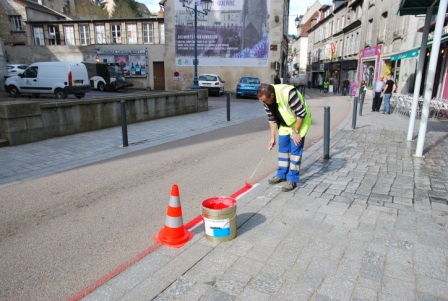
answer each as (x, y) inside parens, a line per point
(297, 21)
(206, 5)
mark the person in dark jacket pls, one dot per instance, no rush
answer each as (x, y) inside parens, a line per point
(277, 80)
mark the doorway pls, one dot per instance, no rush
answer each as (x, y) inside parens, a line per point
(159, 75)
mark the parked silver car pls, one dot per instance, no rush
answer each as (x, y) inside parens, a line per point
(15, 69)
(212, 82)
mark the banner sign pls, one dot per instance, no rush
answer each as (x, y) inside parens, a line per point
(133, 62)
(233, 33)
(404, 55)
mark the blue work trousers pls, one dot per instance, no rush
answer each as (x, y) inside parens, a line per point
(387, 103)
(289, 158)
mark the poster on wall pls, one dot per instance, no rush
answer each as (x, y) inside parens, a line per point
(233, 33)
(368, 65)
(368, 73)
(133, 62)
(123, 61)
(138, 65)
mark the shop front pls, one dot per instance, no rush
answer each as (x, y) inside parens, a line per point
(404, 67)
(332, 74)
(318, 73)
(348, 70)
(369, 65)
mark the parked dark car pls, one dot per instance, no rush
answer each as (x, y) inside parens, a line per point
(247, 86)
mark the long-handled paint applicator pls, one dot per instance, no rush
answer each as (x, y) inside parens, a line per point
(248, 185)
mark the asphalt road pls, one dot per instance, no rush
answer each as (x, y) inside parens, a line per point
(61, 233)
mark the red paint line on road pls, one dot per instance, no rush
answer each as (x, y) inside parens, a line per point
(89, 289)
(114, 273)
(193, 222)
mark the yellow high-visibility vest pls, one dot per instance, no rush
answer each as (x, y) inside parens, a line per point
(288, 115)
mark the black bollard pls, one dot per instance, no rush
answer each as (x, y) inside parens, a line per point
(228, 105)
(362, 95)
(124, 127)
(355, 107)
(327, 133)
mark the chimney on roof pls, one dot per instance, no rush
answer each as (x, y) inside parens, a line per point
(161, 13)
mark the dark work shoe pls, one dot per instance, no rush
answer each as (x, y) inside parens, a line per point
(275, 180)
(289, 185)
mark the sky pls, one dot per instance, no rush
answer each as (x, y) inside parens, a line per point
(296, 8)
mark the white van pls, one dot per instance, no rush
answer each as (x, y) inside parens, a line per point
(58, 78)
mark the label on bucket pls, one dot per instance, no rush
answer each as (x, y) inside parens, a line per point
(217, 228)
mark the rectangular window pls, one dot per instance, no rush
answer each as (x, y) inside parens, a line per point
(131, 32)
(100, 34)
(148, 33)
(399, 28)
(69, 33)
(15, 23)
(162, 33)
(53, 35)
(115, 33)
(84, 36)
(350, 43)
(339, 49)
(346, 45)
(383, 28)
(38, 36)
(369, 32)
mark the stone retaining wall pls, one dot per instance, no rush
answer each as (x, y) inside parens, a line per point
(25, 121)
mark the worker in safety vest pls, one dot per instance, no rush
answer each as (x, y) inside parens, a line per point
(325, 86)
(288, 112)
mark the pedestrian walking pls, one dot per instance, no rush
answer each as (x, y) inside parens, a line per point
(362, 87)
(388, 89)
(336, 87)
(345, 86)
(377, 98)
(276, 80)
(288, 112)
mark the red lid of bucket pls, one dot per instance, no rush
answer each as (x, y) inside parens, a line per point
(217, 203)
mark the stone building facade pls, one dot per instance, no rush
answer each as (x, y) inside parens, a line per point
(367, 39)
(233, 41)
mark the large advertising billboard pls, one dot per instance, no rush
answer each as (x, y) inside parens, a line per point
(233, 33)
(133, 62)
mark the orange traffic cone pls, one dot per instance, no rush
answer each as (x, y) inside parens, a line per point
(174, 233)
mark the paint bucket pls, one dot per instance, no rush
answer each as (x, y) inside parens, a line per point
(219, 214)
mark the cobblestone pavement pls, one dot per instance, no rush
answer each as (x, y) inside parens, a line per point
(370, 223)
